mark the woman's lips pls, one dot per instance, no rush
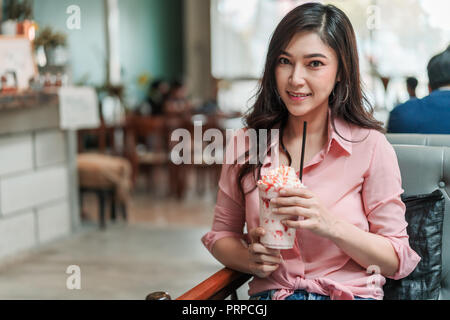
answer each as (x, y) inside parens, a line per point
(298, 96)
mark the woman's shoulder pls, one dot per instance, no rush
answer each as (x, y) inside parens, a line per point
(370, 137)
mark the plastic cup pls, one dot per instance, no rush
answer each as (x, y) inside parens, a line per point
(277, 236)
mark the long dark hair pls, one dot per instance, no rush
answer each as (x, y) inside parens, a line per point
(347, 100)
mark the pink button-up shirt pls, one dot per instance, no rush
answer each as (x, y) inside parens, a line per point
(359, 182)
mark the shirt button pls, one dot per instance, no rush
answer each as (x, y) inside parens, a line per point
(441, 184)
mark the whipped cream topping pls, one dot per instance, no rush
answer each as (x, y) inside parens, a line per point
(281, 177)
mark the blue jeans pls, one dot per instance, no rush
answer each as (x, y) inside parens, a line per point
(297, 295)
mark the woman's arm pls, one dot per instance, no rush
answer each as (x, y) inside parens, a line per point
(231, 253)
(253, 259)
(366, 248)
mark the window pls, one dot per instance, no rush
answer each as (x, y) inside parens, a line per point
(396, 39)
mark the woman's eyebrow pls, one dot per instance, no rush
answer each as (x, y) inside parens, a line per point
(315, 55)
(286, 53)
(307, 56)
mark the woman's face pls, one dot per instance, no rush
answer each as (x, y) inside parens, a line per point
(306, 74)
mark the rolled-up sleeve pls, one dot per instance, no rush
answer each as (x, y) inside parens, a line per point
(229, 212)
(385, 210)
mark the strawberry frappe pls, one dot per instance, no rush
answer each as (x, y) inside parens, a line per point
(277, 236)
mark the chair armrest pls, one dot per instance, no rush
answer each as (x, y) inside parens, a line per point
(217, 287)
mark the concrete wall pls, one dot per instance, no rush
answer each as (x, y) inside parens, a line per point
(38, 187)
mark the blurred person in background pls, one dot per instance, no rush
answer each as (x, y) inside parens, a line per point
(176, 101)
(411, 85)
(160, 88)
(153, 104)
(431, 114)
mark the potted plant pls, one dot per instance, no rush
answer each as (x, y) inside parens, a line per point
(54, 45)
(18, 18)
(26, 25)
(9, 26)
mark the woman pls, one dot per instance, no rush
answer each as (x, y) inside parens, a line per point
(353, 217)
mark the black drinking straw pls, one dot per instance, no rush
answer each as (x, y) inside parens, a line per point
(303, 150)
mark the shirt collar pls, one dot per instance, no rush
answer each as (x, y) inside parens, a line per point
(342, 127)
(340, 135)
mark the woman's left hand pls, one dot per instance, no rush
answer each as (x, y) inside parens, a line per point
(302, 202)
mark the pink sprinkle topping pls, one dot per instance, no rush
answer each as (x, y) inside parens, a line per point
(279, 177)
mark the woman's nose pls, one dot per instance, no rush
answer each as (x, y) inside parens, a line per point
(297, 77)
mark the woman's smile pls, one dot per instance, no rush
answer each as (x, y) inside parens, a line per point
(298, 96)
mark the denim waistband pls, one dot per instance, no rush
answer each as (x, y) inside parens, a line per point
(297, 295)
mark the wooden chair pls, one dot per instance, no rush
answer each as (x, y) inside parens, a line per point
(104, 137)
(203, 171)
(108, 177)
(206, 170)
(104, 195)
(157, 130)
(150, 133)
(178, 174)
(219, 286)
(103, 171)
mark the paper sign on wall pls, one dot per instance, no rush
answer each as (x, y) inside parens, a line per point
(78, 108)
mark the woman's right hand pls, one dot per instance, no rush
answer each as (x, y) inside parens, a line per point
(263, 261)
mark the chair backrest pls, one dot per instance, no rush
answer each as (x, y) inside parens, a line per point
(145, 125)
(419, 139)
(425, 169)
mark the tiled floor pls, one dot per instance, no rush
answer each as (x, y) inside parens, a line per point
(159, 249)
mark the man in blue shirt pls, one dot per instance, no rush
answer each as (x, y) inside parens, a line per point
(430, 114)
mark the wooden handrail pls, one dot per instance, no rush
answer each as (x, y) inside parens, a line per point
(217, 287)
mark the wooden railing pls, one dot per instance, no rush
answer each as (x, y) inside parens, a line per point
(219, 286)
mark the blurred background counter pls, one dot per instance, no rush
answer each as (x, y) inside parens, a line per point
(38, 188)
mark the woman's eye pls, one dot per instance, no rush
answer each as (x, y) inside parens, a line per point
(283, 61)
(316, 64)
